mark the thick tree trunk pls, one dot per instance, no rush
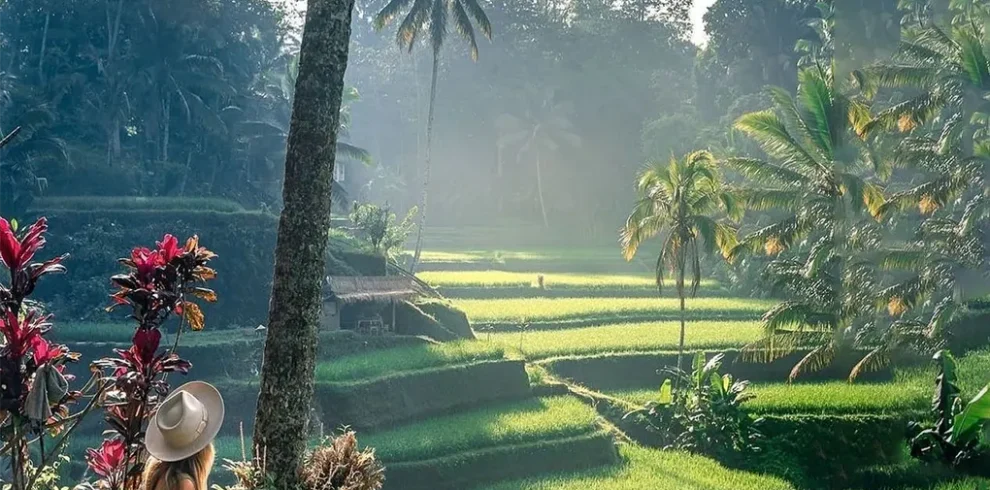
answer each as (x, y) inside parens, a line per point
(426, 164)
(281, 426)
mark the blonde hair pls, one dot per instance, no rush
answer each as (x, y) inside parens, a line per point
(161, 475)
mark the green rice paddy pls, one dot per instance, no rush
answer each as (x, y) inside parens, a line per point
(911, 390)
(644, 468)
(523, 310)
(410, 358)
(508, 279)
(626, 337)
(526, 421)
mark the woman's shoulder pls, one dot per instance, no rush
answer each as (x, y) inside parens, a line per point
(186, 482)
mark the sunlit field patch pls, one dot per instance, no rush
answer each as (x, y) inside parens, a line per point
(532, 255)
(527, 421)
(523, 310)
(644, 468)
(388, 361)
(626, 337)
(507, 279)
(911, 389)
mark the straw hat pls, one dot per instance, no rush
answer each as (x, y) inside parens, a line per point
(186, 422)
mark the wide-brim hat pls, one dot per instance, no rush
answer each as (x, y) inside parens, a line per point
(186, 422)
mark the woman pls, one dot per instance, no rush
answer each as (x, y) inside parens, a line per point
(180, 438)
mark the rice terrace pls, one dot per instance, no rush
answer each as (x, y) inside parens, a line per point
(495, 245)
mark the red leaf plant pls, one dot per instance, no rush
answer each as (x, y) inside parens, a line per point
(34, 393)
(156, 286)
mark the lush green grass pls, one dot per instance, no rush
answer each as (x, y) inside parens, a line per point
(520, 422)
(507, 279)
(911, 389)
(536, 254)
(380, 362)
(644, 468)
(627, 337)
(523, 310)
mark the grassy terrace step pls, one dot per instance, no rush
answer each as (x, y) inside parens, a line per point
(395, 398)
(492, 443)
(407, 358)
(623, 337)
(548, 313)
(631, 370)
(910, 390)
(505, 284)
(650, 469)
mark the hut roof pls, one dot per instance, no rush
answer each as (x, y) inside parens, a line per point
(354, 289)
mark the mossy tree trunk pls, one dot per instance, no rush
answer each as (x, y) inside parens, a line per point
(286, 394)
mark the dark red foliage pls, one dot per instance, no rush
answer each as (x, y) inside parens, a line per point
(25, 350)
(106, 461)
(157, 284)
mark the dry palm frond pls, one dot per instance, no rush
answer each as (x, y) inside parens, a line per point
(774, 246)
(897, 306)
(342, 465)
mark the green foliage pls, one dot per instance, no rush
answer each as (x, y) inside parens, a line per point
(135, 203)
(957, 436)
(378, 226)
(701, 411)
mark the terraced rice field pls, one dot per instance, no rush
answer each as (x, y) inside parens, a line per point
(626, 337)
(508, 279)
(377, 363)
(604, 310)
(644, 468)
(520, 422)
(911, 390)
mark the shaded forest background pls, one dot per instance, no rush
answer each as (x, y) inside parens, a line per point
(192, 98)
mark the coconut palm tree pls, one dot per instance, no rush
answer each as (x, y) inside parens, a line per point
(433, 15)
(950, 69)
(678, 200)
(822, 177)
(543, 129)
(286, 387)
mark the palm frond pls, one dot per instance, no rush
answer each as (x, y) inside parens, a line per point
(347, 150)
(974, 61)
(814, 361)
(826, 113)
(766, 199)
(478, 14)
(462, 23)
(771, 134)
(385, 16)
(873, 361)
(438, 25)
(901, 259)
(767, 173)
(413, 22)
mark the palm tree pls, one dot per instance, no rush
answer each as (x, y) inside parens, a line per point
(289, 360)
(823, 178)
(951, 70)
(433, 15)
(265, 134)
(678, 200)
(543, 129)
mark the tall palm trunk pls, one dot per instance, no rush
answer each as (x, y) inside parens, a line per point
(426, 164)
(681, 263)
(286, 394)
(539, 188)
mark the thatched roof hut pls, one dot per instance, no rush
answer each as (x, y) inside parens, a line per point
(379, 289)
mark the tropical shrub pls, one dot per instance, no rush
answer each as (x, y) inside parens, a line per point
(158, 285)
(959, 433)
(701, 411)
(378, 226)
(34, 392)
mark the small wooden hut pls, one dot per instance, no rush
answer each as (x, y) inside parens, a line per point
(367, 303)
